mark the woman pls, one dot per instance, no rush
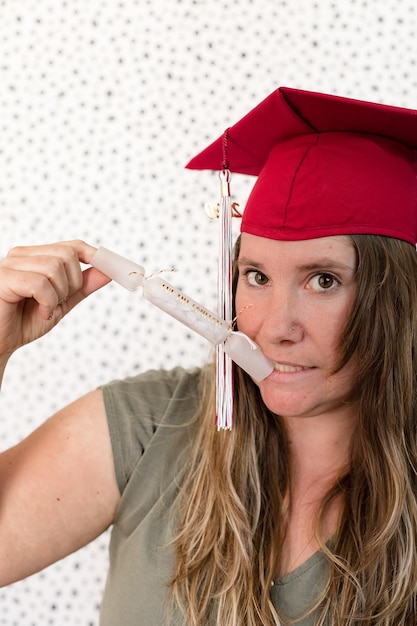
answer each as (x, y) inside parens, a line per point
(305, 512)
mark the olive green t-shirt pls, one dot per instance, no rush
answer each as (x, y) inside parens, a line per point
(150, 419)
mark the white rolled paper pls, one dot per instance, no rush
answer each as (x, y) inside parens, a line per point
(247, 354)
(168, 298)
(121, 270)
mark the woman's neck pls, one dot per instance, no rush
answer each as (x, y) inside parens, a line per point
(319, 448)
(319, 455)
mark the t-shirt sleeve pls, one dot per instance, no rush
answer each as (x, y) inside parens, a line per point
(137, 406)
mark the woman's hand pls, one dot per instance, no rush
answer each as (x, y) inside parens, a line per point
(39, 285)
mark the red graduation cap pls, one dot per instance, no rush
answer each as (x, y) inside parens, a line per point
(326, 165)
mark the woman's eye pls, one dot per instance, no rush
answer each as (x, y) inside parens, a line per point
(256, 278)
(324, 281)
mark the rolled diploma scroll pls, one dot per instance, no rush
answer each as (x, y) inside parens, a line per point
(237, 345)
(248, 355)
(168, 298)
(119, 269)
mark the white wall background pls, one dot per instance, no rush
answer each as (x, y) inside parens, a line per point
(101, 105)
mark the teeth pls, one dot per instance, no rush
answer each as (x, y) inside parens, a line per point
(281, 367)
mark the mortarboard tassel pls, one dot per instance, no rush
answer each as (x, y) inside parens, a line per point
(224, 364)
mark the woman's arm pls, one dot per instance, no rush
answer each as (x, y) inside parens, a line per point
(58, 489)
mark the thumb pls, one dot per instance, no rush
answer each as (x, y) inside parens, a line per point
(93, 280)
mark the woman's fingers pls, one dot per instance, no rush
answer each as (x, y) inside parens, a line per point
(39, 285)
(18, 284)
(50, 274)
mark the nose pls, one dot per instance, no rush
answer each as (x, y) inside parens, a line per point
(280, 320)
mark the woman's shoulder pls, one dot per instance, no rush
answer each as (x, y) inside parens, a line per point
(156, 385)
(155, 409)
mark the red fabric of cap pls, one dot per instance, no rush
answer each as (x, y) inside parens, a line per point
(326, 165)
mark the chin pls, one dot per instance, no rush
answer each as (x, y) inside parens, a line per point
(283, 406)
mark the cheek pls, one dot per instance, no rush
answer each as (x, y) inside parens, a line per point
(344, 381)
(330, 332)
(238, 302)
(245, 321)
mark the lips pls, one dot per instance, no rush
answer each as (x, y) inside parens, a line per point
(284, 367)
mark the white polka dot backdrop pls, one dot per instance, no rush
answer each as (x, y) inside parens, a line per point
(101, 106)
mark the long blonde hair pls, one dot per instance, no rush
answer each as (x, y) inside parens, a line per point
(230, 504)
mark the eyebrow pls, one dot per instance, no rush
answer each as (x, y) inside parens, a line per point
(318, 264)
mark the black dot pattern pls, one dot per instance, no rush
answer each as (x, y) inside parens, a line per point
(101, 105)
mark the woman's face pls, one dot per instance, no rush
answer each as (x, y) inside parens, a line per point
(293, 299)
